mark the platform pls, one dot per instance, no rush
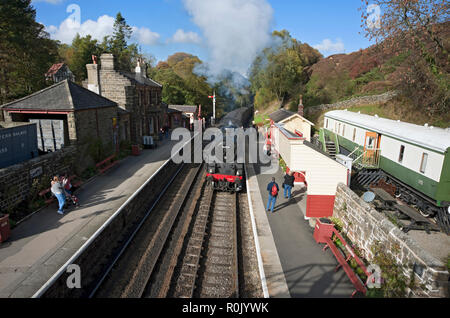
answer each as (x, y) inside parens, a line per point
(42, 244)
(294, 264)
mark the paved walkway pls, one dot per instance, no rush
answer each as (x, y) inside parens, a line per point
(308, 271)
(41, 245)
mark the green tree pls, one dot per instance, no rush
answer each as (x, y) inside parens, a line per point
(117, 44)
(279, 72)
(419, 29)
(26, 51)
(82, 50)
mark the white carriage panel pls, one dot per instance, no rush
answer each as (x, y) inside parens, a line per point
(412, 158)
(349, 130)
(323, 174)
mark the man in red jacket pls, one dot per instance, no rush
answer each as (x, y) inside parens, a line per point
(273, 190)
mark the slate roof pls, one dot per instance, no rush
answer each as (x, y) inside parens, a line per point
(140, 79)
(63, 96)
(281, 115)
(184, 108)
(170, 110)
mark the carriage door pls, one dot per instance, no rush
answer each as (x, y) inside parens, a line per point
(371, 145)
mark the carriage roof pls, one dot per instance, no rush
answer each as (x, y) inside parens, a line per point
(433, 138)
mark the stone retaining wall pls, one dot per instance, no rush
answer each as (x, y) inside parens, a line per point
(16, 181)
(365, 226)
(94, 260)
(364, 100)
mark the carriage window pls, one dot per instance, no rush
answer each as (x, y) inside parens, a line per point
(423, 165)
(339, 129)
(402, 153)
(343, 130)
(354, 135)
(370, 143)
(336, 127)
(327, 124)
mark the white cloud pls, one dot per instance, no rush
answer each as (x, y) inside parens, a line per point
(235, 31)
(145, 36)
(181, 36)
(104, 26)
(328, 47)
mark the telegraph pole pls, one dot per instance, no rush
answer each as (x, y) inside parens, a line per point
(214, 107)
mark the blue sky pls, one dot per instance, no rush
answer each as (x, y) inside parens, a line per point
(157, 21)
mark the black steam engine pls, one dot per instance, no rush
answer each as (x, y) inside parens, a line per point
(228, 176)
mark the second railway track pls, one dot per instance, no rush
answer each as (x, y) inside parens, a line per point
(188, 247)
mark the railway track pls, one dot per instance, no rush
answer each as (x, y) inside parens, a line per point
(188, 247)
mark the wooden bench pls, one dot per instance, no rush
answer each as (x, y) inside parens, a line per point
(48, 196)
(419, 222)
(343, 262)
(107, 164)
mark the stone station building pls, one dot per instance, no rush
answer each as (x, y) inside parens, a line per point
(83, 115)
(133, 92)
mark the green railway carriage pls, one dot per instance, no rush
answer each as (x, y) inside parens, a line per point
(416, 156)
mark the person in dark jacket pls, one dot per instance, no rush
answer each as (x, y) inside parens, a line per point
(273, 190)
(289, 180)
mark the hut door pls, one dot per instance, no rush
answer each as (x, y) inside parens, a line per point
(371, 144)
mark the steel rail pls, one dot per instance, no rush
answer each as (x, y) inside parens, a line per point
(88, 243)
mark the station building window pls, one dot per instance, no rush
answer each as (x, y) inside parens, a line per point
(423, 165)
(402, 154)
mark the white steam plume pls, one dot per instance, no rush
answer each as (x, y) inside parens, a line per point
(235, 32)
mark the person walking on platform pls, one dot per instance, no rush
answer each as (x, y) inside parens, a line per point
(58, 190)
(288, 185)
(273, 190)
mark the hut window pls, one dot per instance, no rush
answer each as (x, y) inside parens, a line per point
(354, 135)
(423, 165)
(402, 153)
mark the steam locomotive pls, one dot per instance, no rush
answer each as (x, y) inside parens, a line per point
(229, 177)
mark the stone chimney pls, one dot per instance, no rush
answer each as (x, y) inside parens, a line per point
(301, 108)
(107, 62)
(93, 81)
(141, 68)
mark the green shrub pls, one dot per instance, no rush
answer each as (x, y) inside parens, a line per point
(395, 283)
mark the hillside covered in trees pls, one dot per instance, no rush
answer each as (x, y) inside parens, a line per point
(411, 57)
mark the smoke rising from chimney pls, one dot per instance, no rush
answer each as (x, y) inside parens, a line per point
(235, 31)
